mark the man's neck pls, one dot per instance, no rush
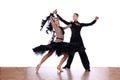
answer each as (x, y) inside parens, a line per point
(75, 20)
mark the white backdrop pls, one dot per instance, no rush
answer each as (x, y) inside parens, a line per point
(20, 30)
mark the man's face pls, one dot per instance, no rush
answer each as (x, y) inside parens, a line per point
(75, 17)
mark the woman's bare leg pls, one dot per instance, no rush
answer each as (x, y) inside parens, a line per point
(43, 60)
(65, 56)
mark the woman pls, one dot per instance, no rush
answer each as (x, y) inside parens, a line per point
(54, 45)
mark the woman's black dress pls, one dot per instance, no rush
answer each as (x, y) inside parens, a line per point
(59, 47)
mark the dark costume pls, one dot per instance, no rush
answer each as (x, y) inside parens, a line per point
(76, 38)
(60, 47)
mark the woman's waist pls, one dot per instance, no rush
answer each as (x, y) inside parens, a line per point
(59, 39)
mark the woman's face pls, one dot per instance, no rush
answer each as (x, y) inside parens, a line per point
(56, 21)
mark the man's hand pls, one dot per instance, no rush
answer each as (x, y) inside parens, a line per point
(96, 18)
(55, 11)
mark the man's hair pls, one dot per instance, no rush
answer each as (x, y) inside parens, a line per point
(76, 14)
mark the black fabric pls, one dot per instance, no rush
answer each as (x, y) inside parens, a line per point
(76, 38)
(84, 60)
(83, 57)
(59, 47)
(49, 28)
(76, 29)
(43, 48)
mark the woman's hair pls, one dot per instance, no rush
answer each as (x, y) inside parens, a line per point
(49, 28)
(56, 18)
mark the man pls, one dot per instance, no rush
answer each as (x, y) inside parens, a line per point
(76, 37)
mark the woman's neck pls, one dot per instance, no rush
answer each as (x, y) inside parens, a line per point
(57, 25)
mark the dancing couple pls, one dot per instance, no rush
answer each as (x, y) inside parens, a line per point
(67, 49)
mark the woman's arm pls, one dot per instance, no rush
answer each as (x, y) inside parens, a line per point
(68, 26)
(52, 22)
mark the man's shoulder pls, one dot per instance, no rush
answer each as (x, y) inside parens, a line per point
(71, 22)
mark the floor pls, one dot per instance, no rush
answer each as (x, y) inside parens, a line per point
(50, 73)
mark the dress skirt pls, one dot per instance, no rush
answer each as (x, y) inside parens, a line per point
(59, 47)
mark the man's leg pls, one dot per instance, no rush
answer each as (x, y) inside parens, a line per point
(85, 60)
(69, 61)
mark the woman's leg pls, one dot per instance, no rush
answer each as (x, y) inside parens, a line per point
(65, 56)
(43, 60)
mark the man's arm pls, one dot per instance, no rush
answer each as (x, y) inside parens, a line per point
(64, 21)
(91, 23)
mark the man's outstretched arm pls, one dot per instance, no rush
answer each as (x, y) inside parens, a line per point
(91, 23)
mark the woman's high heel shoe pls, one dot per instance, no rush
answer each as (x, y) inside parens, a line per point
(59, 69)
